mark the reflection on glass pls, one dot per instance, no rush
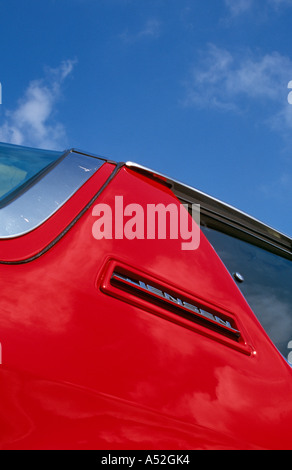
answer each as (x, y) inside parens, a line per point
(266, 286)
(19, 166)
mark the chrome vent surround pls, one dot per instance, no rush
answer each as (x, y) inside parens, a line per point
(158, 297)
(178, 305)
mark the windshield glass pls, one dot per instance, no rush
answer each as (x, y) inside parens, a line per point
(265, 280)
(20, 166)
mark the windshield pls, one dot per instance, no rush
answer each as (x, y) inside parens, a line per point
(20, 166)
(265, 280)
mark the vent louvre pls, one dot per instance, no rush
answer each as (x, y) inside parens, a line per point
(155, 296)
(176, 304)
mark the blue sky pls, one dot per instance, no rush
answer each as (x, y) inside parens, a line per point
(195, 89)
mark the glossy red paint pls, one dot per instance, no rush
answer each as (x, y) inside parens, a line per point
(82, 368)
(33, 243)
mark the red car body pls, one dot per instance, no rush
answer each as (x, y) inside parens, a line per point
(91, 359)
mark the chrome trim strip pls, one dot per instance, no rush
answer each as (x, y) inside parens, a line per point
(221, 211)
(93, 155)
(72, 223)
(47, 195)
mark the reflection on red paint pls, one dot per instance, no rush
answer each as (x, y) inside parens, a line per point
(84, 369)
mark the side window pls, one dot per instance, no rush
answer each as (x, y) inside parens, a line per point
(265, 280)
(20, 165)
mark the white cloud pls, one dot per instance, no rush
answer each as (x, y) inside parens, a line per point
(151, 29)
(32, 122)
(238, 7)
(277, 3)
(233, 81)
